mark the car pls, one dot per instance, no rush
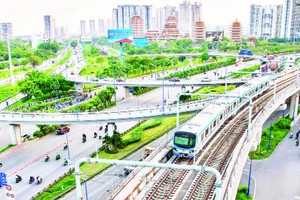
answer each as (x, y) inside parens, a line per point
(174, 79)
(120, 80)
(72, 73)
(62, 130)
(94, 79)
(205, 79)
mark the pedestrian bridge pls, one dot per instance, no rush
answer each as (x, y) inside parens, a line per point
(103, 116)
(158, 83)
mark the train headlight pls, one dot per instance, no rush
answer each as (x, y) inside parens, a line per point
(191, 151)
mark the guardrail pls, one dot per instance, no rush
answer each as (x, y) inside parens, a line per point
(105, 116)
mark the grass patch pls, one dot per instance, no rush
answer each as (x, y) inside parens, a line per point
(211, 90)
(149, 135)
(90, 87)
(60, 62)
(279, 130)
(6, 148)
(8, 91)
(90, 70)
(242, 193)
(6, 72)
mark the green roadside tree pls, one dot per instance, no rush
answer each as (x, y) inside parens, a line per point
(74, 43)
(35, 60)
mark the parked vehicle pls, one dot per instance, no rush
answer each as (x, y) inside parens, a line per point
(72, 73)
(246, 52)
(274, 66)
(120, 80)
(63, 130)
(174, 79)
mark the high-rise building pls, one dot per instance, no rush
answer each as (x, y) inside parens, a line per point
(265, 21)
(6, 30)
(50, 25)
(170, 30)
(162, 14)
(82, 27)
(290, 19)
(236, 31)
(61, 32)
(187, 16)
(122, 15)
(92, 27)
(109, 24)
(147, 16)
(102, 27)
(199, 31)
(137, 26)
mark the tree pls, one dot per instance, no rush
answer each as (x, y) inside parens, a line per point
(74, 43)
(205, 56)
(34, 61)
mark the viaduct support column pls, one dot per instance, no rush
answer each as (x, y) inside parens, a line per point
(257, 141)
(79, 88)
(127, 93)
(294, 106)
(240, 59)
(15, 134)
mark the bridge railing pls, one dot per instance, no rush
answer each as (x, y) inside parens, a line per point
(233, 176)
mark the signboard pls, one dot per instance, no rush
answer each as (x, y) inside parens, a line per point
(122, 35)
(3, 181)
(214, 36)
(141, 42)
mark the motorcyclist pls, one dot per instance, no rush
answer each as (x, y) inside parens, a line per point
(31, 179)
(84, 136)
(65, 146)
(65, 161)
(95, 134)
(291, 134)
(57, 155)
(18, 178)
(297, 142)
(38, 179)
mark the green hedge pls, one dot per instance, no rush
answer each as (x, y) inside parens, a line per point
(142, 90)
(45, 129)
(136, 134)
(242, 193)
(279, 130)
(202, 69)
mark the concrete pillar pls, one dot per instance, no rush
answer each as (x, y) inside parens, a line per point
(183, 89)
(79, 88)
(240, 59)
(294, 106)
(15, 134)
(127, 93)
(257, 141)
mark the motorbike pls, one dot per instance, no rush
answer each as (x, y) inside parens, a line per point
(0, 164)
(65, 163)
(95, 135)
(18, 179)
(39, 181)
(31, 180)
(47, 159)
(57, 157)
(297, 142)
(83, 140)
(65, 147)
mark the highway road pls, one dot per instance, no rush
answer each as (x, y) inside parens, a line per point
(31, 156)
(42, 67)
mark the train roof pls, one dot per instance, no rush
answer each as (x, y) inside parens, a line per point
(208, 114)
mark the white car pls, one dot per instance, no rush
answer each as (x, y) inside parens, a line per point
(205, 79)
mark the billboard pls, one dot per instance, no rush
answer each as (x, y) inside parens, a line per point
(122, 35)
(214, 36)
(141, 42)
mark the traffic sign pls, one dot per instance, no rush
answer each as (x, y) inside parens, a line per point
(3, 180)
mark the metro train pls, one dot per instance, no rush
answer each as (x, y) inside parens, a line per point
(190, 138)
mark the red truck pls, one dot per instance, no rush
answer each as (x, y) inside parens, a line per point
(274, 66)
(62, 130)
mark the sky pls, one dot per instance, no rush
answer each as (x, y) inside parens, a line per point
(26, 16)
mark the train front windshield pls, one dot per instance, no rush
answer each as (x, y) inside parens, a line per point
(184, 139)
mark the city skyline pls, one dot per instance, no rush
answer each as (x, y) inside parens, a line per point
(69, 13)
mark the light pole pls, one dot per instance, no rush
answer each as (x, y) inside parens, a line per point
(85, 185)
(56, 91)
(76, 99)
(10, 64)
(249, 177)
(270, 135)
(167, 133)
(163, 90)
(69, 156)
(97, 148)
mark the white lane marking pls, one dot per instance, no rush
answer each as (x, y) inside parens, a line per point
(289, 151)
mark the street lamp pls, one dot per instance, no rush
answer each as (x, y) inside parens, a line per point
(69, 156)
(270, 135)
(76, 99)
(163, 90)
(10, 64)
(167, 133)
(249, 177)
(85, 185)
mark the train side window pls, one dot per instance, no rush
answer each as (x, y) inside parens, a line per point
(221, 117)
(206, 132)
(215, 122)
